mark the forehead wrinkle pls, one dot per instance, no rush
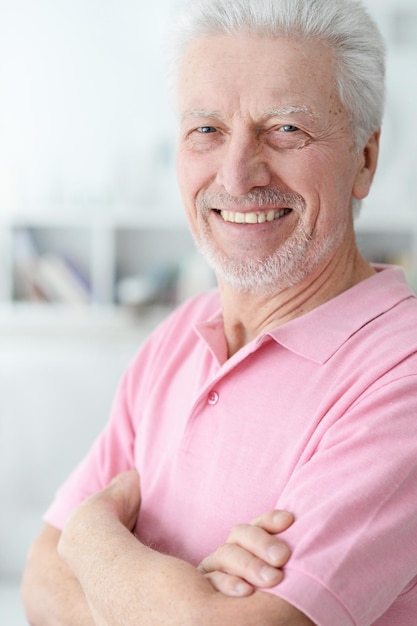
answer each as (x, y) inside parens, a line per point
(270, 112)
(202, 113)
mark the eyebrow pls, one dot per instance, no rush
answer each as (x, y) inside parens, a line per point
(288, 110)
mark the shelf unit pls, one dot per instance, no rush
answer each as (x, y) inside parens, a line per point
(143, 253)
(137, 260)
(390, 241)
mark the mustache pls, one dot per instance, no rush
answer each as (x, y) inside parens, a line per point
(261, 198)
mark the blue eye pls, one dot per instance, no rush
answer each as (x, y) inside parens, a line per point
(289, 129)
(207, 129)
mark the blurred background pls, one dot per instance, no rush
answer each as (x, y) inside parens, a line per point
(94, 248)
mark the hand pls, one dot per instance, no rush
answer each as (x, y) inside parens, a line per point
(123, 496)
(251, 557)
(120, 499)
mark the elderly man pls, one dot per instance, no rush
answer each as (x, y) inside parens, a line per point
(293, 387)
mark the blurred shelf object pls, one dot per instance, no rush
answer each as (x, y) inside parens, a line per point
(391, 247)
(132, 263)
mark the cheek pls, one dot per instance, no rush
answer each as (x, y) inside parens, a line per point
(330, 176)
(323, 181)
(195, 173)
(181, 173)
(189, 185)
(190, 174)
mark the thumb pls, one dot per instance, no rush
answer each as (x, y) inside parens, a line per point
(126, 481)
(124, 492)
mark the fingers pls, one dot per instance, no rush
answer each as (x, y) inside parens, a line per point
(275, 521)
(252, 556)
(259, 538)
(232, 586)
(235, 560)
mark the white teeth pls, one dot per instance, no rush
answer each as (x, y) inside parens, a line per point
(252, 218)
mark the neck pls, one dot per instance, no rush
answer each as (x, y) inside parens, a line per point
(248, 315)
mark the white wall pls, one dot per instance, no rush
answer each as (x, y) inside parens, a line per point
(56, 390)
(83, 109)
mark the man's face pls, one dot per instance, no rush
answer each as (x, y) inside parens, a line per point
(265, 161)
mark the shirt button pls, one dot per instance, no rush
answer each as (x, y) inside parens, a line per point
(213, 397)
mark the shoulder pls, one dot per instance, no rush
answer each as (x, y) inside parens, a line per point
(177, 329)
(198, 309)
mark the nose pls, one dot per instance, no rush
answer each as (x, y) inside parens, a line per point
(242, 166)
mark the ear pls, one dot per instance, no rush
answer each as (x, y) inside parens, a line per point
(368, 163)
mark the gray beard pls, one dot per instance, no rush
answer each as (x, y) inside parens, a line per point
(286, 267)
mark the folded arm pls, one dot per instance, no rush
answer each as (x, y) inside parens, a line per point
(119, 580)
(51, 594)
(127, 582)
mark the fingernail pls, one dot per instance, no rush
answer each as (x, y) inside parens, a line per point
(282, 517)
(277, 553)
(242, 589)
(268, 574)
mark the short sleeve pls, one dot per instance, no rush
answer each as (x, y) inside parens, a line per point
(354, 541)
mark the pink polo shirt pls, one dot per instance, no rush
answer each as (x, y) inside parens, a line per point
(318, 416)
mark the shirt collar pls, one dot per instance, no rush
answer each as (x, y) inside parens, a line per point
(318, 335)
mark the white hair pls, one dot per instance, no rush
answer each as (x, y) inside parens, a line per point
(343, 25)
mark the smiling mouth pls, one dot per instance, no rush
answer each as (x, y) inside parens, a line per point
(237, 217)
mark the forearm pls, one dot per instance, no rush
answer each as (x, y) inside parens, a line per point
(51, 594)
(126, 582)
